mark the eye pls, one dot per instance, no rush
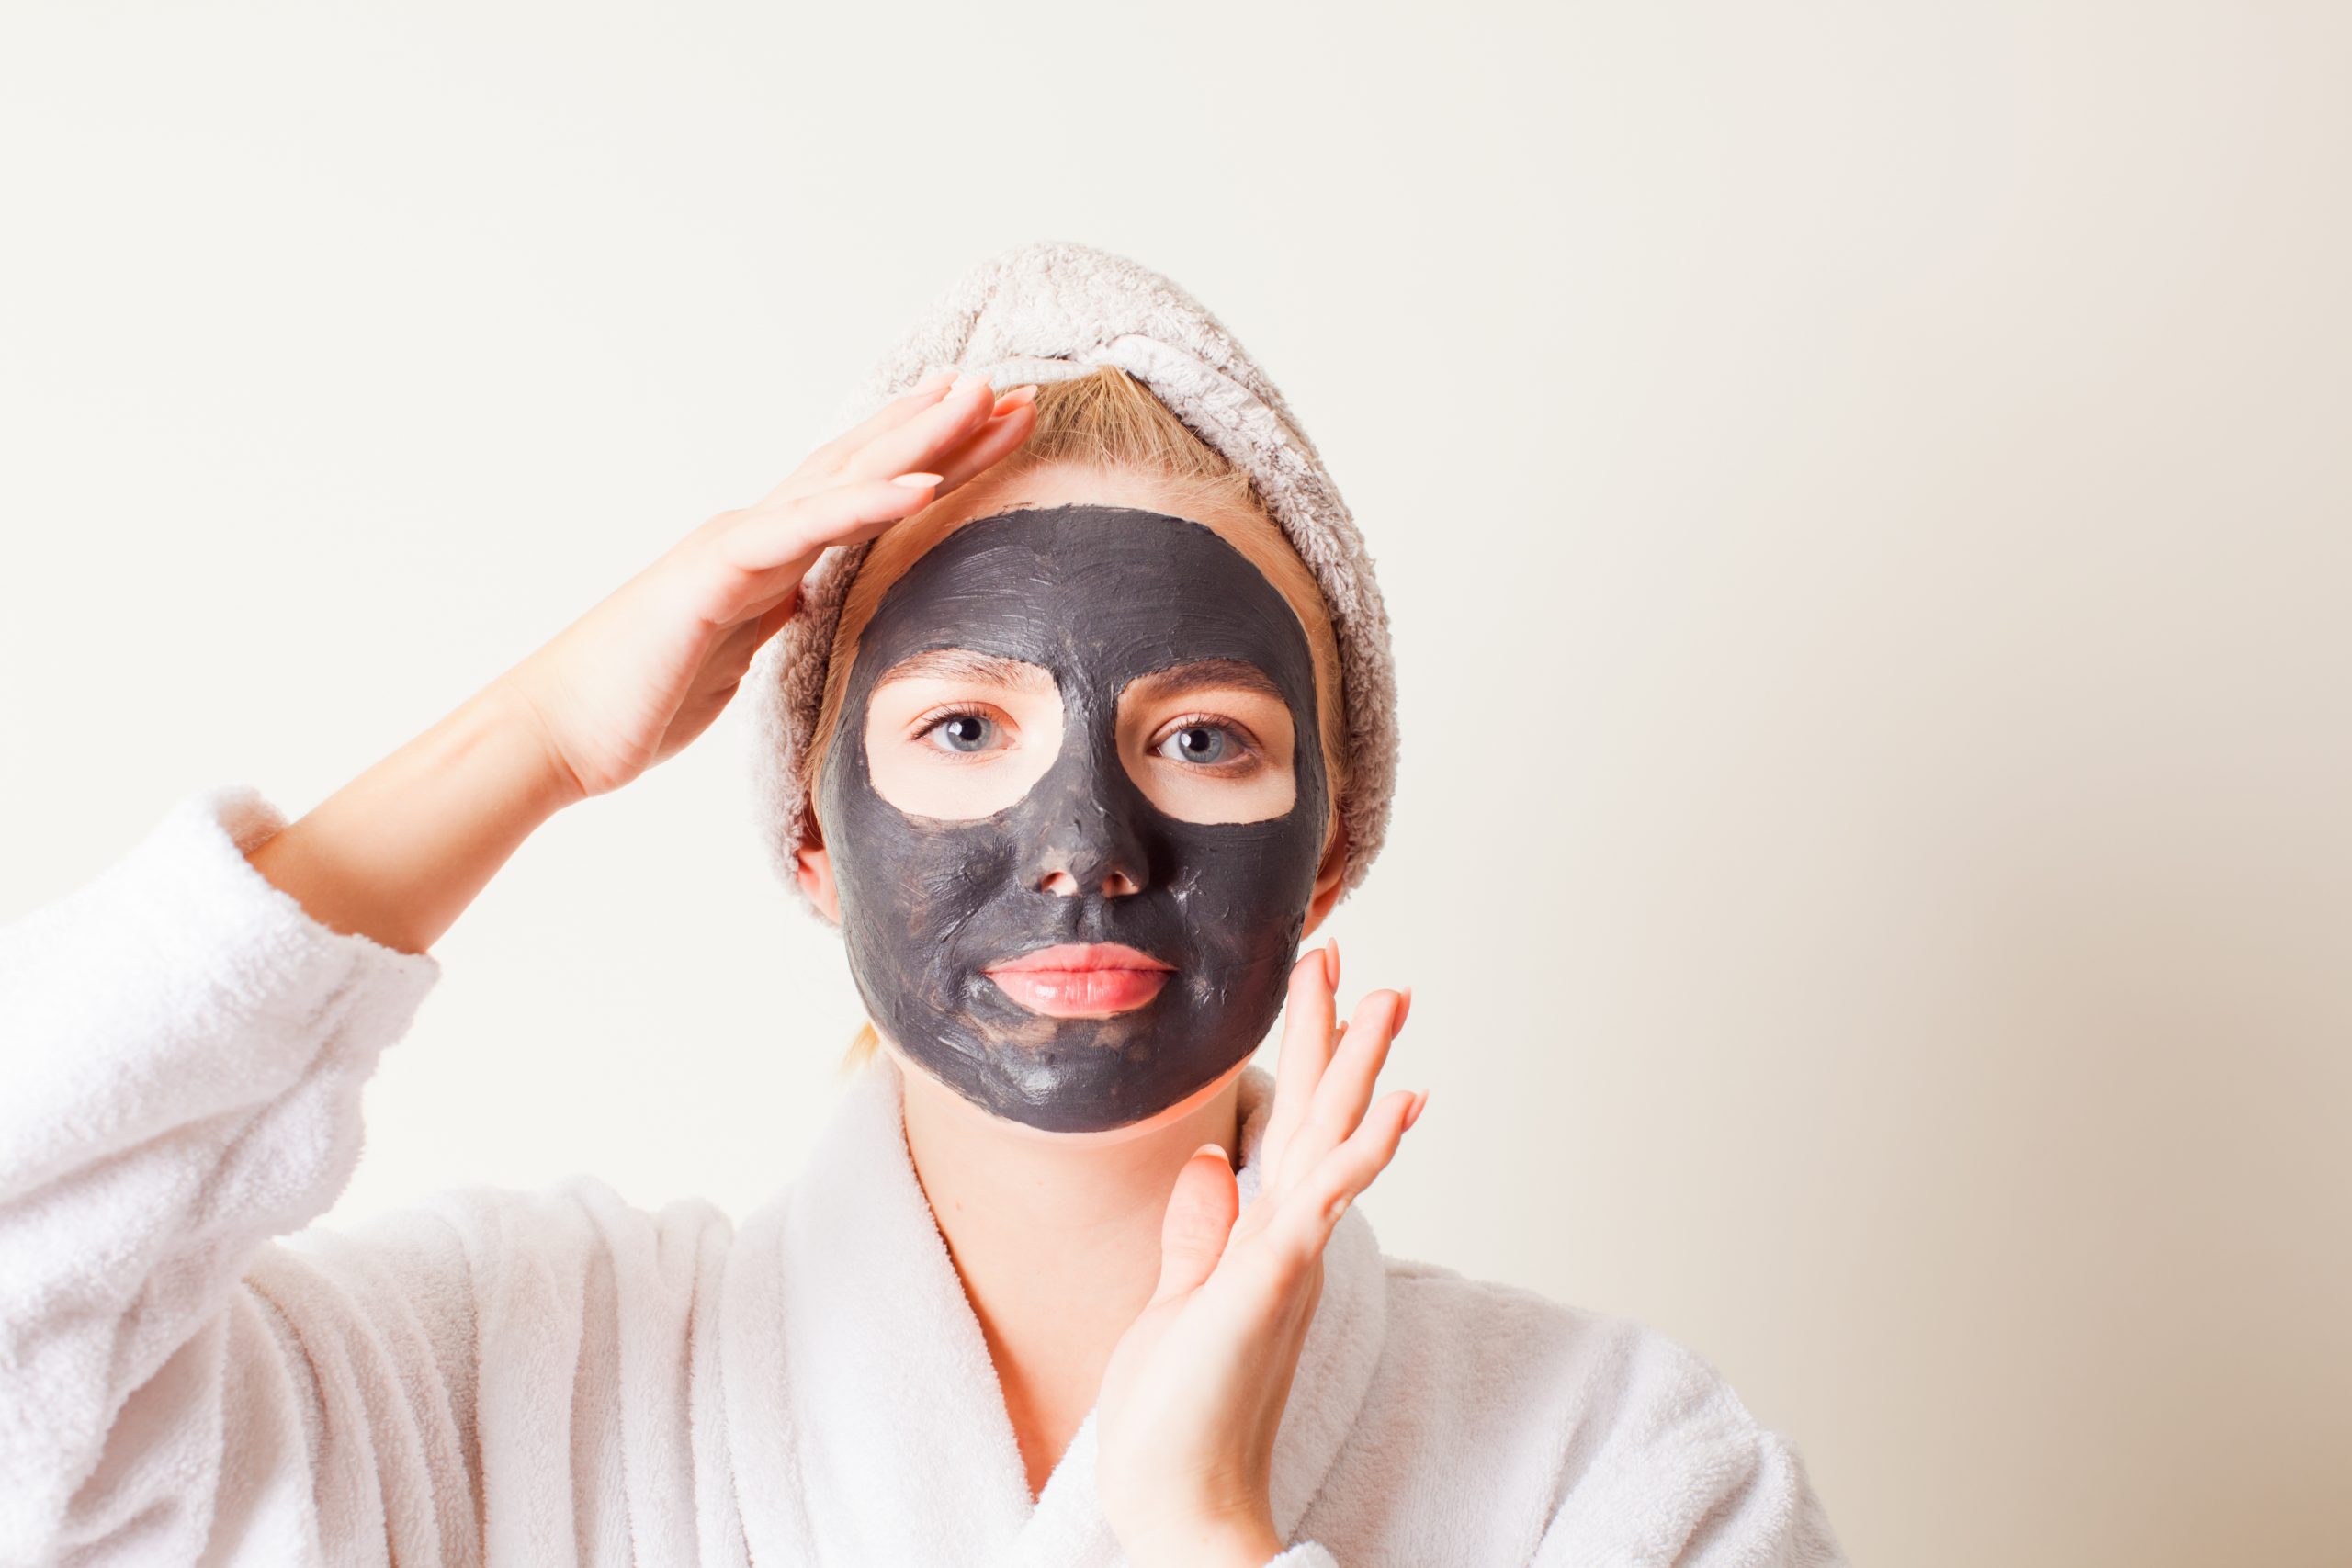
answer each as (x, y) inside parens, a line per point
(962, 731)
(1203, 745)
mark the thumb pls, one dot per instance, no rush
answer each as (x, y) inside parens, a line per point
(1201, 1213)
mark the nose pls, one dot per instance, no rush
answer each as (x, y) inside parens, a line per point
(1092, 850)
(1116, 884)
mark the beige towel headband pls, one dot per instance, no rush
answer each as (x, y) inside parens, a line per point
(1045, 312)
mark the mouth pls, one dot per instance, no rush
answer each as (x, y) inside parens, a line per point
(1092, 981)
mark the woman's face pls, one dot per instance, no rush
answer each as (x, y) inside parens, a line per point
(1075, 808)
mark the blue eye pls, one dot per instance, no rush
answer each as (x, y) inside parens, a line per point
(965, 731)
(1202, 743)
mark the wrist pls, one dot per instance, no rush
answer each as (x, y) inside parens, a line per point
(545, 783)
(400, 851)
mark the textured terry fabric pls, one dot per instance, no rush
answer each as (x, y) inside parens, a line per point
(1050, 312)
(188, 1376)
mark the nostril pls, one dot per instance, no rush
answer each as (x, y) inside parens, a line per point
(1059, 882)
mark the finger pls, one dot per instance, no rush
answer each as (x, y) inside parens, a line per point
(827, 459)
(1201, 1211)
(986, 447)
(766, 552)
(1345, 1087)
(1306, 1050)
(930, 436)
(1315, 1206)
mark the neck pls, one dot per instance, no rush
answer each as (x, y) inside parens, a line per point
(1055, 1235)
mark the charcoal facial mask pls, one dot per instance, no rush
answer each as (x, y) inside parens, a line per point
(1099, 596)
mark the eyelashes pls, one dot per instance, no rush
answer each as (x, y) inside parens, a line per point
(1251, 754)
(924, 726)
(967, 730)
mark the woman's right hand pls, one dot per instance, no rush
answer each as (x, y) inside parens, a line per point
(634, 679)
(398, 852)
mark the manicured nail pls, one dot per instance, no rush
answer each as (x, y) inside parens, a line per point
(1404, 1006)
(1331, 961)
(967, 379)
(916, 481)
(1018, 396)
(1415, 1113)
(935, 382)
(1216, 1149)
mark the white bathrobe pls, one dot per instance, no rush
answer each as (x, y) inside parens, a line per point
(556, 1377)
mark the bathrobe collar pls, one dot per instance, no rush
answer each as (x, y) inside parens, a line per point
(890, 1440)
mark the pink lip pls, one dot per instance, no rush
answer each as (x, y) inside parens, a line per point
(1094, 980)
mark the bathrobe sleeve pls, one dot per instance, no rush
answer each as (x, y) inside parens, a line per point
(1684, 1477)
(182, 1049)
(1742, 1503)
(1734, 1496)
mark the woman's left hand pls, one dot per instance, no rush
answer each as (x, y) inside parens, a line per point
(1194, 1393)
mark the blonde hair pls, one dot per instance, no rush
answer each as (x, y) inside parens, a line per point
(1107, 419)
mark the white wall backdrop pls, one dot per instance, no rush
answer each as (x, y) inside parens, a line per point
(1863, 494)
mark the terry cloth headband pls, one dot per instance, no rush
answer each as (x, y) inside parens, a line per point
(1046, 312)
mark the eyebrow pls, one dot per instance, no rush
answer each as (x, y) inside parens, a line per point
(967, 664)
(1203, 675)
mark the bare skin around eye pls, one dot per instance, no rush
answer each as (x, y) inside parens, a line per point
(1252, 777)
(912, 770)
(1009, 729)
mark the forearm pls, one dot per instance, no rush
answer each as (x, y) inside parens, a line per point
(397, 854)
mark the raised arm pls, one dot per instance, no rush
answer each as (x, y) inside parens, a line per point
(183, 1042)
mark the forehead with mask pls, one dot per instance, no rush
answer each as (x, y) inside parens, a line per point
(1074, 779)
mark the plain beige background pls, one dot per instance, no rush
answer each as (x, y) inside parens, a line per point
(1861, 491)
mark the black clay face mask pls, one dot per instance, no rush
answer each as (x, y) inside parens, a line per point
(1098, 596)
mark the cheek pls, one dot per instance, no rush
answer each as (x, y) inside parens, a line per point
(905, 895)
(1244, 888)
(917, 881)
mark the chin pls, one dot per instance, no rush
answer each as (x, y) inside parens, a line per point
(914, 1072)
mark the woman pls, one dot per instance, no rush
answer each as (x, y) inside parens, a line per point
(1075, 754)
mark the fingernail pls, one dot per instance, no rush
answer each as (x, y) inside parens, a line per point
(1415, 1114)
(935, 382)
(1216, 1149)
(967, 379)
(1331, 961)
(916, 481)
(1403, 1005)
(1019, 395)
